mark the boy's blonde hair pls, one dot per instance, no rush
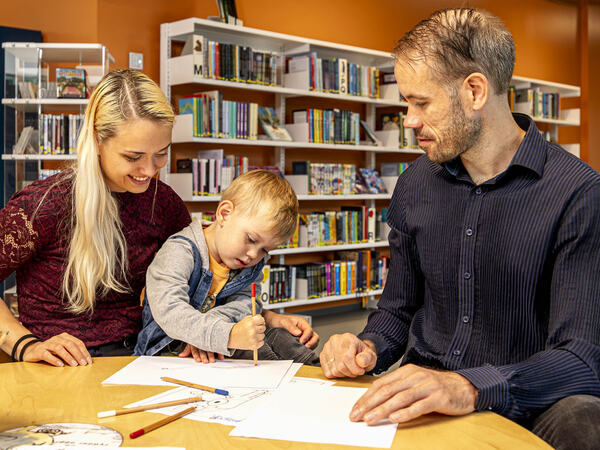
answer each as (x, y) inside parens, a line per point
(260, 192)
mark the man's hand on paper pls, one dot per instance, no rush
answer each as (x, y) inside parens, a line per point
(345, 355)
(248, 333)
(410, 392)
(297, 326)
(58, 350)
(199, 355)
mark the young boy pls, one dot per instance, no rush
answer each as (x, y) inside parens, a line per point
(198, 286)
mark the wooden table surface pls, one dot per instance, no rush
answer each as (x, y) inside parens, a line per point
(34, 394)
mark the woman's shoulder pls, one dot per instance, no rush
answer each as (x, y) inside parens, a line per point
(44, 196)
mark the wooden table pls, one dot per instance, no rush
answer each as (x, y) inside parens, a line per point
(34, 394)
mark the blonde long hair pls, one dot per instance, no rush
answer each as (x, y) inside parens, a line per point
(97, 260)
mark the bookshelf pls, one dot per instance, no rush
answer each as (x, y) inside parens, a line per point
(566, 117)
(34, 63)
(177, 74)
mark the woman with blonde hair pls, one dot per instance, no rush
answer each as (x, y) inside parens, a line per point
(81, 241)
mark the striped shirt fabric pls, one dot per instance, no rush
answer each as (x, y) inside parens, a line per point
(499, 281)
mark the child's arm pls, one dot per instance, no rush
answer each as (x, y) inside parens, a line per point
(167, 291)
(297, 326)
(167, 285)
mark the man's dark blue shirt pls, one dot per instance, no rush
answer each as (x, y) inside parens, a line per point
(499, 281)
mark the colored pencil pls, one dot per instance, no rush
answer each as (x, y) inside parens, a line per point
(160, 423)
(118, 412)
(253, 300)
(195, 386)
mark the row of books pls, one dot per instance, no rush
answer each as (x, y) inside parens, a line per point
(231, 62)
(352, 273)
(59, 133)
(336, 75)
(212, 171)
(330, 126)
(352, 224)
(341, 179)
(393, 169)
(395, 121)
(218, 118)
(534, 102)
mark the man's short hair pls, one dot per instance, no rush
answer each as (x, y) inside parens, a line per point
(264, 193)
(457, 42)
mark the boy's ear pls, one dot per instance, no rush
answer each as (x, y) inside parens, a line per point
(224, 210)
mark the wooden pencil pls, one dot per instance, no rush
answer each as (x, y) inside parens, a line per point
(118, 412)
(160, 423)
(253, 300)
(195, 386)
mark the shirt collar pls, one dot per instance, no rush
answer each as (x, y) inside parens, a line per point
(531, 153)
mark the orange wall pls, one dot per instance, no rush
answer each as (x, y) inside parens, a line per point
(545, 31)
(59, 21)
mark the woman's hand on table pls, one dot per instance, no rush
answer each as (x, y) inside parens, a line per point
(59, 350)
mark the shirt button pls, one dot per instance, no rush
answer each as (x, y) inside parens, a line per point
(469, 232)
(467, 275)
(456, 352)
(465, 319)
(478, 191)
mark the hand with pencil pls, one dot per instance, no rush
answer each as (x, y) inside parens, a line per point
(248, 334)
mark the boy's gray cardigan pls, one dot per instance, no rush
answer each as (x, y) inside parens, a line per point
(177, 284)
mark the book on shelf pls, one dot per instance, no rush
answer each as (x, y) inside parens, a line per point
(373, 180)
(215, 117)
(329, 126)
(23, 145)
(395, 121)
(230, 62)
(369, 133)
(393, 169)
(350, 225)
(70, 83)
(271, 124)
(333, 75)
(387, 78)
(535, 103)
(59, 133)
(212, 172)
(228, 12)
(351, 272)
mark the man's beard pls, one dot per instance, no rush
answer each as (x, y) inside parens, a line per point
(459, 136)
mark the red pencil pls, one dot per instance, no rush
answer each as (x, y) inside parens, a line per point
(160, 423)
(253, 300)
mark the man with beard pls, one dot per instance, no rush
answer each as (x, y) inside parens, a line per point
(492, 296)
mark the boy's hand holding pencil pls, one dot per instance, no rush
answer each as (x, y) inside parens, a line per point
(248, 334)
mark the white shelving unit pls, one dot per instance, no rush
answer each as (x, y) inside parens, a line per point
(568, 117)
(317, 300)
(328, 248)
(31, 58)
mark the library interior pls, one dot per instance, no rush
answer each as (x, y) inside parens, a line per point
(340, 224)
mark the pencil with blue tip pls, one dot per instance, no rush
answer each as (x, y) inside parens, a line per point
(195, 386)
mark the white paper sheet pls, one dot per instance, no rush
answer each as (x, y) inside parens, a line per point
(148, 370)
(307, 412)
(227, 410)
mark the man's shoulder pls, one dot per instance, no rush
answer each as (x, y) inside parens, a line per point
(568, 170)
